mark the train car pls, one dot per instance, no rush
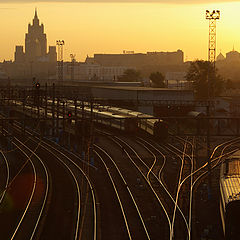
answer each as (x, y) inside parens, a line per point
(155, 127)
(230, 196)
(111, 118)
(118, 118)
(128, 120)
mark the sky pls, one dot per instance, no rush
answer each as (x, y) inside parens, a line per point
(110, 26)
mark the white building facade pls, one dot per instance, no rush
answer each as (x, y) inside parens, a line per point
(76, 71)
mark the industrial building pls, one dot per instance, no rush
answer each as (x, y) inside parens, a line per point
(154, 101)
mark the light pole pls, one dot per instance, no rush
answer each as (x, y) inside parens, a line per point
(212, 17)
(60, 44)
(73, 60)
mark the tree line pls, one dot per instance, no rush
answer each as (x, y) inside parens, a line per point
(202, 77)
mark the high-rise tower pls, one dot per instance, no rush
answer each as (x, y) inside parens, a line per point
(35, 41)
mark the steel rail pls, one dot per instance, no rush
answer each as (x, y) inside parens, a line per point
(186, 141)
(31, 196)
(90, 185)
(84, 174)
(129, 191)
(117, 194)
(76, 234)
(198, 179)
(178, 191)
(161, 182)
(7, 178)
(148, 182)
(191, 191)
(34, 188)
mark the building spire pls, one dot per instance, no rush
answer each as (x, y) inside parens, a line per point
(35, 20)
(36, 16)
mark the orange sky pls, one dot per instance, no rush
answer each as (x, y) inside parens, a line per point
(89, 28)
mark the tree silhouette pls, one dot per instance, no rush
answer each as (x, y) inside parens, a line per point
(157, 79)
(130, 75)
(204, 79)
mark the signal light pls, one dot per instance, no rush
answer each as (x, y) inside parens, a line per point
(37, 85)
(69, 114)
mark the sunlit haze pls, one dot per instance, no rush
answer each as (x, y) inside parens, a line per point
(101, 27)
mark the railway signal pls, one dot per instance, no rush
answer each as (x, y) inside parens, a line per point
(69, 116)
(37, 85)
(37, 94)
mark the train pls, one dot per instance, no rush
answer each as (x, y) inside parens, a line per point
(127, 120)
(230, 196)
(118, 118)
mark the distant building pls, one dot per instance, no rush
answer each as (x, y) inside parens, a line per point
(233, 56)
(33, 60)
(91, 72)
(138, 60)
(3, 75)
(229, 67)
(19, 54)
(35, 45)
(220, 57)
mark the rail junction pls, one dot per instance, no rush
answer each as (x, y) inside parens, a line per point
(70, 172)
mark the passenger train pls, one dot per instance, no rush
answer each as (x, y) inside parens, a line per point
(118, 118)
(230, 196)
(128, 120)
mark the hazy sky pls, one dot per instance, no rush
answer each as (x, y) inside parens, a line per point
(94, 26)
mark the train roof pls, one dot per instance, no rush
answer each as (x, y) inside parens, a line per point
(231, 188)
(230, 178)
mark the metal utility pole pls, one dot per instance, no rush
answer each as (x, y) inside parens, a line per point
(212, 17)
(60, 44)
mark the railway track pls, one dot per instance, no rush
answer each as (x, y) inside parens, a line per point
(83, 228)
(151, 171)
(197, 175)
(37, 192)
(147, 172)
(174, 201)
(6, 177)
(84, 186)
(51, 215)
(134, 222)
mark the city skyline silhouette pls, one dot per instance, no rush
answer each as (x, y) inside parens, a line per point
(114, 27)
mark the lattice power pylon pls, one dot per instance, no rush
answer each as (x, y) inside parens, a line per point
(212, 17)
(60, 44)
